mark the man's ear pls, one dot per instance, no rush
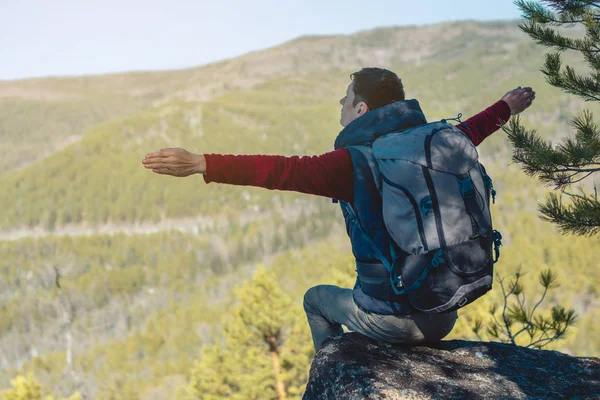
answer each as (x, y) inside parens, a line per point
(363, 108)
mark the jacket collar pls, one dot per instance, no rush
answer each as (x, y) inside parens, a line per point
(392, 117)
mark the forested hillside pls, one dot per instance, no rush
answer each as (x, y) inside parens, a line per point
(124, 284)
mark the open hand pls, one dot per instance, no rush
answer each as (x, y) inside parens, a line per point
(175, 162)
(519, 99)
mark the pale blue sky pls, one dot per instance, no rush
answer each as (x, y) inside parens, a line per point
(83, 37)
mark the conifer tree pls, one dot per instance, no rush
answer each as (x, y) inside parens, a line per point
(262, 356)
(518, 322)
(575, 158)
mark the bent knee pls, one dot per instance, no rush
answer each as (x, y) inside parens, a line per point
(316, 295)
(311, 297)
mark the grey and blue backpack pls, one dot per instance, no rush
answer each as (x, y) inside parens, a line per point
(436, 208)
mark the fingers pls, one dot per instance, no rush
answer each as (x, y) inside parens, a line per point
(163, 153)
(157, 159)
(158, 154)
(166, 162)
(159, 166)
(156, 164)
(528, 95)
(162, 171)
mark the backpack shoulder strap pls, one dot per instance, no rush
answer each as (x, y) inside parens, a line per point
(395, 281)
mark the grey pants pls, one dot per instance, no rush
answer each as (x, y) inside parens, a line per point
(329, 307)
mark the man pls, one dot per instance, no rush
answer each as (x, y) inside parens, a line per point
(374, 104)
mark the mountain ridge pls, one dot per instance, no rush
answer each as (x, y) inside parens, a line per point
(486, 23)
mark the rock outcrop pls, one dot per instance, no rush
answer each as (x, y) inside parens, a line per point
(353, 366)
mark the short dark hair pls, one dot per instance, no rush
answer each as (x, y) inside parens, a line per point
(377, 87)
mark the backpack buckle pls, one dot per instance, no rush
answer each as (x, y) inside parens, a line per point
(397, 284)
(467, 189)
(426, 205)
(497, 244)
(438, 258)
(488, 182)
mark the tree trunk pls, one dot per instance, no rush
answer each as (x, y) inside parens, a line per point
(279, 384)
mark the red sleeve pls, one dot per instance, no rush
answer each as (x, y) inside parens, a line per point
(328, 175)
(482, 125)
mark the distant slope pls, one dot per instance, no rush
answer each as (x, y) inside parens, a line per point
(41, 116)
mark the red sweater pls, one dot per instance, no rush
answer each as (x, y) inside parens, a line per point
(330, 174)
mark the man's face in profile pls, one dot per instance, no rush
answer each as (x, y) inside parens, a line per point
(349, 112)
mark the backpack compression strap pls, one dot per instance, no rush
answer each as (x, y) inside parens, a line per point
(467, 190)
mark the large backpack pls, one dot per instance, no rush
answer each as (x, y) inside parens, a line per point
(436, 208)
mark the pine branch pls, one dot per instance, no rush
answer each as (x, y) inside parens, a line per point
(543, 341)
(477, 328)
(561, 320)
(507, 320)
(541, 330)
(548, 37)
(567, 12)
(571, 161)
(540, 24)
(588, 134)
(582, 217)
(538, 303)
(574, 169)
(573, 195)
(572, 6)
(526, 324)
(584, 87)
(571, 181)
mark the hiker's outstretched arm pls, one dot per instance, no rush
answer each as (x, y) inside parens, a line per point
(483, 124)
(329, 174)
